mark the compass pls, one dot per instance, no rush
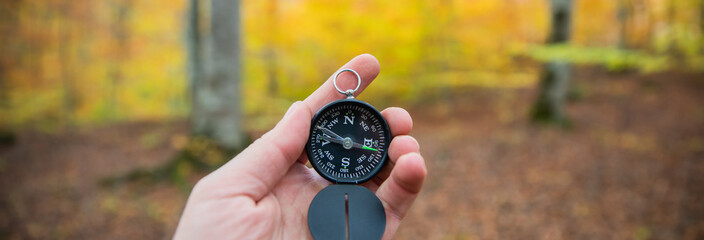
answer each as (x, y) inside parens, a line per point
(347, 145)
(348, 141)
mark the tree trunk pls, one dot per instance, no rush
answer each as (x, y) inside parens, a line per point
(195, 61)
(561, 16)
(216, 97)
(270, 50)
(120, 34)
(622, 21)
(7, 15)
(69, 94)
(556, 74)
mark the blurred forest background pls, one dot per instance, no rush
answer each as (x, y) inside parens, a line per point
(539, 119)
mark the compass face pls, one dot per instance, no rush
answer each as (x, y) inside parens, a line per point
(348, 141)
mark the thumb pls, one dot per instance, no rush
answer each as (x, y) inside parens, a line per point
(259, 167)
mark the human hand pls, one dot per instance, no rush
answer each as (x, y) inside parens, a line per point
(264, 192)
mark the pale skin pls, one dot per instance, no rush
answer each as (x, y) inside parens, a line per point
(264, 192)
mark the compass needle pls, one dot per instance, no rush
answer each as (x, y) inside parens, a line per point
(329, 132)
(368, 148)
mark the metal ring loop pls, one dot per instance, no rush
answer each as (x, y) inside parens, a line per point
(349, 92)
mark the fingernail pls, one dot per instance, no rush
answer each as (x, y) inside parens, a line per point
(290, 109)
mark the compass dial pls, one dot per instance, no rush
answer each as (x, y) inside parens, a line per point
(348, 141)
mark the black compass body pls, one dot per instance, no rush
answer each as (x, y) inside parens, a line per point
(348, 141)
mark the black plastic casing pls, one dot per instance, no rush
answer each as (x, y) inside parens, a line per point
(384, 157)
(361, 213)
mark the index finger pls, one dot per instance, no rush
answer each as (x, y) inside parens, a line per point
(365, 65)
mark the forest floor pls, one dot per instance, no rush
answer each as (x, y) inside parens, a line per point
(631, 166)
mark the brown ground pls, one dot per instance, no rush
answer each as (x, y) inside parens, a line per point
(631, 167)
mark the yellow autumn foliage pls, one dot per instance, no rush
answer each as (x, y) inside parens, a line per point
(69, 64)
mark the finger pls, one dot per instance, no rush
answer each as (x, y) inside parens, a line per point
(365, 65)
(399, 120)
(400, 123)
(400, 145)
(258, 168)
(303, 159)
(400, 190)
